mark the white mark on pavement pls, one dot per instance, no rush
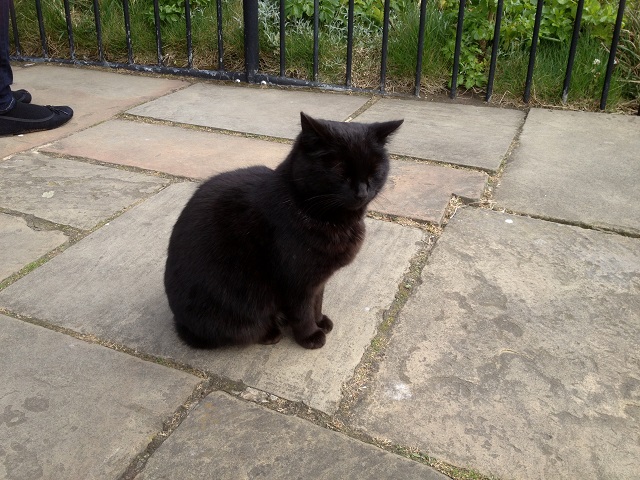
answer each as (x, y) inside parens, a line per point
(399, 391)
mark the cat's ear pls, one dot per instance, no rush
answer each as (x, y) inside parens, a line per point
(311, 125)
(384, 129)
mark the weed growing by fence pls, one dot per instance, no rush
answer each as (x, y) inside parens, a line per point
(516, 30)
(172, 11)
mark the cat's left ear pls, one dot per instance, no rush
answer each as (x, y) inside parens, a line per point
(311, 125)
(384, 129)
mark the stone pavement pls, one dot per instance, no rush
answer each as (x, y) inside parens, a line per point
(499, 338)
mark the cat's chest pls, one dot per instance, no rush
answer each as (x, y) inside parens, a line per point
(344, 240)
(330, 246)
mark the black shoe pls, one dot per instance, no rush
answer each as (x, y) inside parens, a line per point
(25, 117)
(22, 96)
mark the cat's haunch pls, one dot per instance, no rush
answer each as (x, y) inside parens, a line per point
(253, 248)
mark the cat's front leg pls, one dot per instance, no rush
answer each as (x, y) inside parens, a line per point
(272, 337)
(324, 323)
(273, 333)
(306, 331)
(310, 338)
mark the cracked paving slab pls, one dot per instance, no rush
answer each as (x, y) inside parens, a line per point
(249, 109)
(94, 95)
(422, 192)
(518, 355)
(174, 150)
(70, 192)
(414, 190)
(21, 244)
(70, 409)
(236, 439)
(578, 167)
(84, 289)
(458, 134)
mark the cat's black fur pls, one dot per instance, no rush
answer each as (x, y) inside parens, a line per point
(253, 248)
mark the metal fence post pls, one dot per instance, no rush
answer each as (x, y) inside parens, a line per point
(423, 14)
(251, 47)
(494, 50)
(612, 55)
(456, 53)
(156, 16)
(385, 45)
(532, 52)
(572, 50)
(96, 16)
(43, 36)
(14, 23)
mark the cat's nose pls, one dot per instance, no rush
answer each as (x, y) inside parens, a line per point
(363, 191)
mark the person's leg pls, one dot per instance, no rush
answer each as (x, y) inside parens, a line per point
(6, 74)
(17, 115)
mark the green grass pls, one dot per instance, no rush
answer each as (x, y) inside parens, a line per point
(204, 33)
(551, 62)
(629, 56)
(549, 73)
(403, 50)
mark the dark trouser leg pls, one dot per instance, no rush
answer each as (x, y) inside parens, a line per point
(6, 74)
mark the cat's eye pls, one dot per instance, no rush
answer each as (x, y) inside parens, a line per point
(338, 168)
(374, 174)
(334, 164)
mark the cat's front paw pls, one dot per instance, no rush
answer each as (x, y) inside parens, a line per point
(325, 324)
(272, 337)
(315, 340)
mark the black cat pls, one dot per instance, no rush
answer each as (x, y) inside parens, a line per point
(253, 248)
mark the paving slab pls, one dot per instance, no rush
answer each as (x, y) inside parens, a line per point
(519, 354)
(174, 150)
(413, 190)
(459, 134)
(128, 255)
(70, 192)
(69, 409)
(95, 95)
(263, 111)
(576, 166)
(229, 438)
(20, 244)
(423, 192)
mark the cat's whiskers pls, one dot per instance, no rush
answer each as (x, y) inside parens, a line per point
(381, 199)
(326, 198)
(312, 176)
(322, 203)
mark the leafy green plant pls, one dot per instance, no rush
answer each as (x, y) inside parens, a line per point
(173, 11)
(368, 13)
(517, 27)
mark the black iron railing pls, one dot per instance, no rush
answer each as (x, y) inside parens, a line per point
(251, 73)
